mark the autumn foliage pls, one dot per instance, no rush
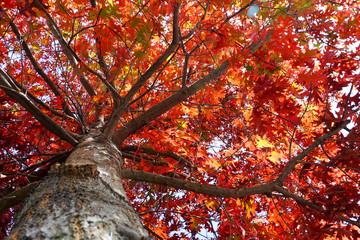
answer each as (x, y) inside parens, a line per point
(279, 108)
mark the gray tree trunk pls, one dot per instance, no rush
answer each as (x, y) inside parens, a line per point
(81, 199)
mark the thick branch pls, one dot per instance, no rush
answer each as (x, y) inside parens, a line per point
(138, 158)
(297, 198)
(160, 60)
(141, 81)
(24, 101)
(195, 187)
(15, 197)
(254, 46)
(35, 99)
(57, 158)
(291, 165)
(74, 58)
(66, 48)
(151, 114)
(342, 218)
(37, 67)
(152, 151)
(18, 196)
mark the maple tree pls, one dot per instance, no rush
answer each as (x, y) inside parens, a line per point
(230, 126)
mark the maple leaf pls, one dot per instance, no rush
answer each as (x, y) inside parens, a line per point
(187, 113)
(263, 143)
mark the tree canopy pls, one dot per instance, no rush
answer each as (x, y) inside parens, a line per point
(236, 119)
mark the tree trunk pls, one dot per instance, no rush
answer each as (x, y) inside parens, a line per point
(81, 199)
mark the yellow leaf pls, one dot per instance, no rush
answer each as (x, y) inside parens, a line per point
(261, 143)
(275, 157)
(211, 205)
(213, 162)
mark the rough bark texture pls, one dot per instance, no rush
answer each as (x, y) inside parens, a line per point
(81, 199)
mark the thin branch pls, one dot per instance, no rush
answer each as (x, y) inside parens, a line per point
(292, 163)
(287, 225)
(239, 11)
(305, 202)
(330, 165)
(346, 103)
(297, 124)
(197, 25)
(222, 205)
(12, 156)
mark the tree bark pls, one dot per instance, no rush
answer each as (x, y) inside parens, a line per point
(81, 199)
